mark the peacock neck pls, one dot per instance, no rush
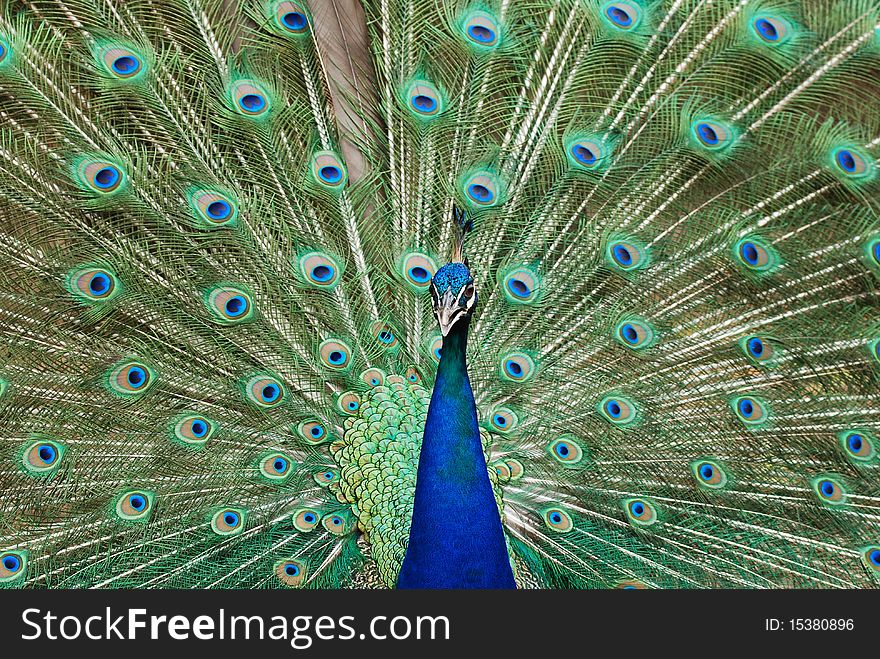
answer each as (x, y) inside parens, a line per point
(456, 539)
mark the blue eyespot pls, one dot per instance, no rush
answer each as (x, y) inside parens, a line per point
(500, 420)
(136, 377)
(290, 569)
(874, 557)
(252, 103)
(749, 252)
(107, 177)
(846, 161)
(562, 450)
(2, 52)
(352, 405)
(629, 333)
(386, 337)
(707, 471)
(11, 563)
(481, 34)
(218, 210)
(756, 347)
(235, 306)
(231, 519)
(766, 29)
(746, 407)
(855, 443)
(126, 64)
(317, 432)
(309, 517)
(99, 284)
(336, 357)
(322, 273)
(583, 155)
(47, 453)
(336, 521)
(199, 428)
(619, 16)
(876, 251)
(419, 274)
(827, 488)
(556, 518)
(514, 369)
(622, 255)
(423, 103)
(519, 288)
(137, 502)
(330, 174)
(480, 193)
(637, 508)
(613, 409)
(707, 134)
(295, 21)
(270, 393)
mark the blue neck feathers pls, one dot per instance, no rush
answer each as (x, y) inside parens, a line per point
(456, 539)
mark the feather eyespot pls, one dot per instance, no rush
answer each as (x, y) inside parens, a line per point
(349, 403)
(42, 457)
(413, 376)
(618, 410)
(418, 269)
(313, 431)
(772, 30)
(481, 30)
(131, 378)
(291, 572)
(709, 473)
(566, 451)
(871, 558)
(264, 391)
(622, 15)
(503, 420)
(587, 151)
(829, 490)
(228, 521)
(319, 269)
(121, 62)
(640, 512)
(373, 377)
(482, 189)
(93, 284)
(134, 506)
(435, 347)
(517, 367)
(291, 18)
(712, 135)
(852, 163)
(229, 305)
(306, 519)
(424, 99)
(213, 208)
(13, 564)
(521, 286)
(328, 170)
(336, 524)
(756, 255)
(250, 99)
(626, 255)
(101, 176)
(858, 445)
(335, 354)
(325, 477)
(276, 466)
(193, 430)
(634, 333)
(4, 51)
(750, 410)
(758, 349)
(558, 520)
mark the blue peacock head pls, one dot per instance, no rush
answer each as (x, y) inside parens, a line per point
(454, 295)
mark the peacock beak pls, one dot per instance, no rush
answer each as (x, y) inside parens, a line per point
(450, 307)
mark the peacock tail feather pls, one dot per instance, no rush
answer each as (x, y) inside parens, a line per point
(219, 223)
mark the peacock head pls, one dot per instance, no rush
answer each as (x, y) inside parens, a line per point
(453, 294)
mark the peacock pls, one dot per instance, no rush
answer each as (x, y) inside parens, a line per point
(439, 294)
